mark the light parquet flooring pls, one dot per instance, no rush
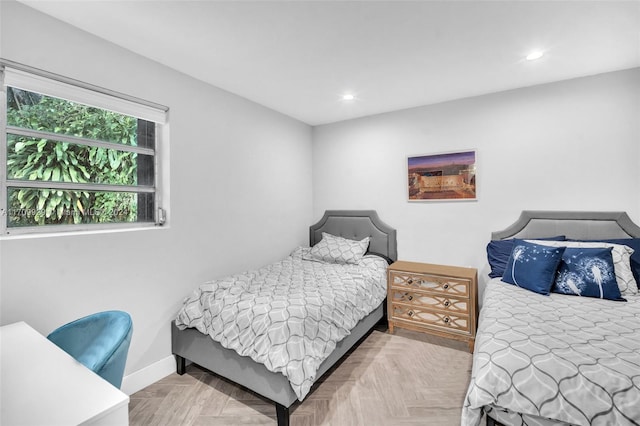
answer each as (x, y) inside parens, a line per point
(403, 379)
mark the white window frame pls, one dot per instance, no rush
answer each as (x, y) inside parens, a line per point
(27, 78)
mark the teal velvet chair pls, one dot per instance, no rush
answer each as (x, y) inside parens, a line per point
(99, 341)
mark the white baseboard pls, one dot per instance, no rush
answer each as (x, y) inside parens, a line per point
(138, 380)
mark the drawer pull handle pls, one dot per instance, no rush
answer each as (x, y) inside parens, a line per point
(447, 303)
(410, 313)
(447, 320)
(446, 286)
(410, 281)
(410, 298)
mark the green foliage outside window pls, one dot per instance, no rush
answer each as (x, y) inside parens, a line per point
(39, 159)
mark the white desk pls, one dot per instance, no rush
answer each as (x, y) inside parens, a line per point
(41, 385)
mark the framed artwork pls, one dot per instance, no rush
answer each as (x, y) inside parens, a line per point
(446, 176)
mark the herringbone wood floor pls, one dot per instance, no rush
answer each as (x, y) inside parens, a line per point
(403, 379)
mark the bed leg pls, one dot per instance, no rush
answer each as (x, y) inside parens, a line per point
(181, 367)
(282, 414)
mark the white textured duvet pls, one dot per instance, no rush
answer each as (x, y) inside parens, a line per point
(572, 359)
(288, 315)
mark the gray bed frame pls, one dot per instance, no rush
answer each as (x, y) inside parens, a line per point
(191, 345)
(576, 225)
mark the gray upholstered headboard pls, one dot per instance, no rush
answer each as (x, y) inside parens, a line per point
(575, 225)
(356, 225)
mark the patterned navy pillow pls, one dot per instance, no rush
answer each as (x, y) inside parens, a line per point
(621, 255)
(498, 252)
(588, 272)
(533, 266)
(634, 243)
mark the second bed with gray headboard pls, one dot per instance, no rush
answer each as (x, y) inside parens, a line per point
(559, 345)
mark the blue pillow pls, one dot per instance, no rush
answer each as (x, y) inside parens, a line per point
(634, 243)
(498, 252)
(533, 266)
(587, 272)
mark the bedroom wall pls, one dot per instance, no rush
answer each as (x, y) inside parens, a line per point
(571, 145)
(240, 184)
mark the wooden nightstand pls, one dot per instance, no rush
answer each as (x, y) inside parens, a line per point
(435, 299)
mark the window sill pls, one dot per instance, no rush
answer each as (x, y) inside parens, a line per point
(85, 232)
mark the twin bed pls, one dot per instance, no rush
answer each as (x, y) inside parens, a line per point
(559, 359)
(310, 308)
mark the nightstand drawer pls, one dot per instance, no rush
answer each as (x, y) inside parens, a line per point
(431, 301)
(428, 317)
(459, 287)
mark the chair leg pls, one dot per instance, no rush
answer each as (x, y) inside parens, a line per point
(181, 365)
(282, 413)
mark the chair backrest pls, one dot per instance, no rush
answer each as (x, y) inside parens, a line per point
(99, 341)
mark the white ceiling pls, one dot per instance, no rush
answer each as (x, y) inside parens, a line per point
(300, 57)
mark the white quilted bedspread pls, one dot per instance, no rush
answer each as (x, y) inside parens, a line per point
(288, 315)
(572, 359)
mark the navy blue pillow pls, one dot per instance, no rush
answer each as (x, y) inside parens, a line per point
(587, 272)
(498, 252)
(634, 243)
(533, 266)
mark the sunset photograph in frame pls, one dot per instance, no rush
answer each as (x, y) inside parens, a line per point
(446, 176)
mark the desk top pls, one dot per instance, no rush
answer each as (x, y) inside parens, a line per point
(40, 384)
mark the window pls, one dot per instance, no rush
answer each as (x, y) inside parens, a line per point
(76, 157)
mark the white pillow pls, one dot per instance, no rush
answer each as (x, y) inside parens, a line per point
(335, 249)
(621, 261)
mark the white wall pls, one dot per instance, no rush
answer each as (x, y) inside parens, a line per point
(240, 181)
(571, 145)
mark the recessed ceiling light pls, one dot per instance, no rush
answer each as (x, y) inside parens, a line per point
(536, 54)
(348, 97)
